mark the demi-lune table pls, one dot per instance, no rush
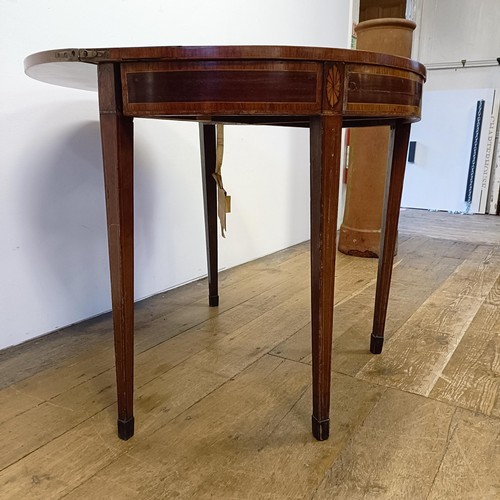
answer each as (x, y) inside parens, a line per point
(323, 89)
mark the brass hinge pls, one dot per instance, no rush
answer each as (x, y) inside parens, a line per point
(85, 54)
(80, 54)
(67, 55)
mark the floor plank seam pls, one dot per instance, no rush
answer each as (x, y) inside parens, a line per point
(475, 411)
(242, 303)
(451, 404)
(415, 393)
(289, 411)
(289, 359)
(449, 437)
(16, 391)
(447, 238)
(49, 400)
(55, 437)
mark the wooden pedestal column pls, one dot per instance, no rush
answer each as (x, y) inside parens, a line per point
(360, 230)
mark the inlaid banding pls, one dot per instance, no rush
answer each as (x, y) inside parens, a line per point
(379, 89)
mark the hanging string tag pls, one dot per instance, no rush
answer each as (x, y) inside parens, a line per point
(223, 199)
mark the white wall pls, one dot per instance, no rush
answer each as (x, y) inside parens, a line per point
(452, 30)
(464, 78)
(53, 249)
(447, 32)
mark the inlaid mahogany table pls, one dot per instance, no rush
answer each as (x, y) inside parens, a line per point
(320, 88)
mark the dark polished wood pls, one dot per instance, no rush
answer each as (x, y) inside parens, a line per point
(208, 163)
(326, 139)
(400, 136)
(243, 87)
(320, 88)
(118, 160)
(167, 82)
(372, 88)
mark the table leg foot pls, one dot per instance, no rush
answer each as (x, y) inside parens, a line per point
(320, 430)
(376, 344)
(213, 300)
(126, 428)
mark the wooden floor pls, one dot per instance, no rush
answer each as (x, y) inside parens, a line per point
(223, 397)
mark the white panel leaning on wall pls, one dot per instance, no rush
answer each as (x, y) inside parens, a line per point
(493, 152)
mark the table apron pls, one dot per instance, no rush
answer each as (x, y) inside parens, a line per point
(381, 91)
(214, 87)
(272, 88)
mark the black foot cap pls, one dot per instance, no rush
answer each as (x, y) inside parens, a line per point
(126, 428)
(213, 300)
(376, 344)
(321, 430)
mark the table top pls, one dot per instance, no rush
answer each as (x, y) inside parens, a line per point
(64, 67)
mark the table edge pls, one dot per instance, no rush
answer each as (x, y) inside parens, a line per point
(227, 52)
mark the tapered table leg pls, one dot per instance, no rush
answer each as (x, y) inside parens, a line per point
(400, 135)
(325, 167)
(208, 163)
(117, 147)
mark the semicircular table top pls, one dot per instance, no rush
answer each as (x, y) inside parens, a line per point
(63, 66)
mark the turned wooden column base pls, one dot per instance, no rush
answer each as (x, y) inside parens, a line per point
(360, 234)
(359, 242)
